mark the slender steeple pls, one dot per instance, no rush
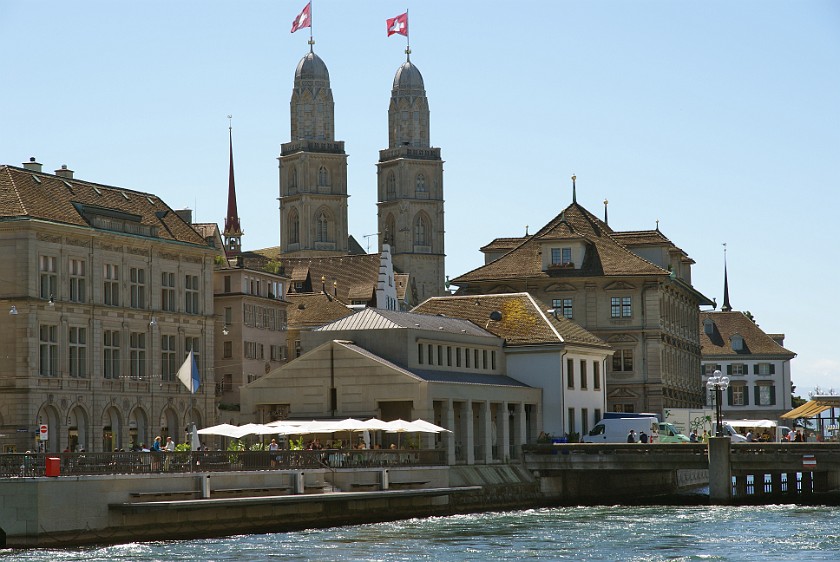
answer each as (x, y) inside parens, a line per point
(726, 306)
(233, 230)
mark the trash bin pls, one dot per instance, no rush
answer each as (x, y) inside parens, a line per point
(53, 467)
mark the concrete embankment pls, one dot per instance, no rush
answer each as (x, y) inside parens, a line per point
(67, 511)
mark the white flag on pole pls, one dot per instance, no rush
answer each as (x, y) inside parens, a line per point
(188, 373)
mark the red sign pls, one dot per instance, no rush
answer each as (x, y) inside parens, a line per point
(43, 432)
(809, 461)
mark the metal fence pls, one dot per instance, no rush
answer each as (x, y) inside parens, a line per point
(74, 464)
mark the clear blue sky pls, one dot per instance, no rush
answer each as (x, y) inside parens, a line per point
(720, 119)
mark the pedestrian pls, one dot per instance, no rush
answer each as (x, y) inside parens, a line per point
(631, 437)
(643, 437)
(705, 436)
(749, 435)
(692, 437)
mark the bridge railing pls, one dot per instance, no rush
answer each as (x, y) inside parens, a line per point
(74, 464)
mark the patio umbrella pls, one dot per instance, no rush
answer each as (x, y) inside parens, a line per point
(429, 427)
(195, 443)
(224, 429)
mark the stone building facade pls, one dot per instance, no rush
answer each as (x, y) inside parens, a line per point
(631, 289)
(106, 291)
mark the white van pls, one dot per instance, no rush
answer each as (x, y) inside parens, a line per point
(670, 434)
(729, 431)
(615, 430)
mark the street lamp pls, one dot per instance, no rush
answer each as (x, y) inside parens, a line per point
(718, 383)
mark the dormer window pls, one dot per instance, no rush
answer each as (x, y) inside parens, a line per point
(737, 342)
(561, 256)
(708, 326)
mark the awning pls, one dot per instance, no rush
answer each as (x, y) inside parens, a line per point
(813, 407)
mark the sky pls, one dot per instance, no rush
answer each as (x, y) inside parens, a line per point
(719, 119)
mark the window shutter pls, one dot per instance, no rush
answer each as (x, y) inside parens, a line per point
(729, 395)
(755, 368)
(757, 394)
(772, 368)
(746, 395)
(773, 395)
(729, 369)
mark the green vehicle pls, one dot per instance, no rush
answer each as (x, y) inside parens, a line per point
(669, 434)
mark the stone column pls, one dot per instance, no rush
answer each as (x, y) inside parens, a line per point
(486, 420)
(519, 425)
(468, 440)
(503, 417)
(449, 416)
(720, 472)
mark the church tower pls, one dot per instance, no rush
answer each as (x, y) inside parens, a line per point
(410, 187)
(313, 169)
(233, 230)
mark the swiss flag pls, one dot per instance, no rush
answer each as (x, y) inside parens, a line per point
(304, 19)
(398, 24)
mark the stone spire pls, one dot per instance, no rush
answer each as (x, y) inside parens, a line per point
(726, 306)
(233, 230)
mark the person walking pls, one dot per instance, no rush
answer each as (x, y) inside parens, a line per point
(631, 437)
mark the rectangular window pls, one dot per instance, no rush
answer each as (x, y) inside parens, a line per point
(763, 369)
(168, 359)
(227, 350)
(111, 284)
(583, 375)
(248, 313)
(192, 344)
(467, 355)
(584, 421)
(277, 353)
(737, 395)
(168, 302)
(737, 369)
(111, 354)
(566, 256)
(597, 413)
(620, 307)
(570, 373)
(137, 287)
(419, 353)
(49, 277)
(709, 368)
(596, 378)
(448, 356)
(571, 421)
(49, 350)
(440, 355)
(298, 349)
(77, 340)
(430, 354)
(78, 291)
(227, 283)
(191, 294)
(484, 359)
(475, 359)
(493, 360)
(765, 395)
(562, 307)
(137, 355)
(622, 361)
(457, 356)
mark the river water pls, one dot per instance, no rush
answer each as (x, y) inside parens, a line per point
(651, 533)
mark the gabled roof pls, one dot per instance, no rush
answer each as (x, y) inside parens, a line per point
(728, 324)
(375, 319)
(27, 194)
(522, 321)
(605, 254)
(314, 309)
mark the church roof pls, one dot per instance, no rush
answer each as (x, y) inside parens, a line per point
(27, 194)
(606, 255)
(310, 68)
(408, 80)
(728, 324)
(314, 309)
(521, 321)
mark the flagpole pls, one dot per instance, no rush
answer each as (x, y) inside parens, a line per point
(407, 42)
(311, 25)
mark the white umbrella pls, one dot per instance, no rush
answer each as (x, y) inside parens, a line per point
(195, 443)
(429, 427)
(224, 429)
(374, 423)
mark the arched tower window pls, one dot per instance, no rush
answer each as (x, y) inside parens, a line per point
(323, 177)
(321, 227)
(293, 180)
(294, 227)
(421, 183)
(421, 231)
(390, 234)
(391, 186)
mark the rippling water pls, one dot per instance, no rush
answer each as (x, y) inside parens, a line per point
(574, 533)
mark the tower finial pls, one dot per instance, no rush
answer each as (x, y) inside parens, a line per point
(726, 306)
(606, 216)
(574, 189)
(407, 53)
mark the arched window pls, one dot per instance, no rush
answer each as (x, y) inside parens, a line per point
(391, 186)
(390, 235)
(293, 180)
(421, 229)
(294, 228)
(323, 177)
(421, 183)
(321, 227)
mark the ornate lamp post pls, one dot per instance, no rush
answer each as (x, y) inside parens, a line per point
(718, 383)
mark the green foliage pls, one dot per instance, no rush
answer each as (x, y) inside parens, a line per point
(258, 447)
(573, 437)
(180, 447)
(296, 445)
(236, 445)
(273, 266)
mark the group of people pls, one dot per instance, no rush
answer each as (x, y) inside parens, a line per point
(641, 438)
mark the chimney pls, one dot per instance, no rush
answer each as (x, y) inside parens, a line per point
(185, 214)
(32, 165)
(64, 172)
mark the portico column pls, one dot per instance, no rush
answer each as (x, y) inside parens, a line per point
(487, 422)
(469, 439)
(520, 422)
(503, 418)
(449, 416)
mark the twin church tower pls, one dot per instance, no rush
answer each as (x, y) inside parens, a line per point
(313, 179)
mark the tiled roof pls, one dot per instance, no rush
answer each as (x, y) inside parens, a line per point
(401, 281)
(605, 254)
(500, 244)
(727, 324)
(375, 319)
(25, 194)
(522, 321)
(314, 309)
